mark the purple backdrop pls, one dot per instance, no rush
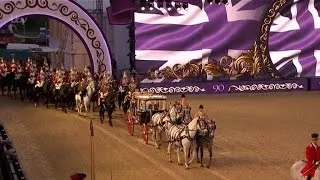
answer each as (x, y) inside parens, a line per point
(201, 33)
(225, 87)
(208, 32)
(295, 38)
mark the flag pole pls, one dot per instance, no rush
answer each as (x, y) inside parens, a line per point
(92, 151)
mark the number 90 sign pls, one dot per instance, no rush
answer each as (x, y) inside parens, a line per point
(218, 88)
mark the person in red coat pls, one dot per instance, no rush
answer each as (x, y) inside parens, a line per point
(78, 176)
(313, 157)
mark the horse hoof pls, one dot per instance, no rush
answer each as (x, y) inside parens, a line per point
(158, 147)
(186, 168)
(170, 161)
(208, 166)
(180, 164)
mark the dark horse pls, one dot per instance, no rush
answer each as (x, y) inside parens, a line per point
(48, 92)
(204, 139)
(3, 82)
(22, 85)
(6, 82)
(108, 105)
(60, 96)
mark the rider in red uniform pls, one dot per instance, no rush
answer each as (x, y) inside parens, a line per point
(28, 65)
(3, 66)
(13, 66)
(312, 156)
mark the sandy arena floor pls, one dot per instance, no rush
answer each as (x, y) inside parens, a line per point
(259, 136)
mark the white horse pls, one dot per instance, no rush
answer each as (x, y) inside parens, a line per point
(297, 167)
(156, 123)
(183, 137)
(86, 99)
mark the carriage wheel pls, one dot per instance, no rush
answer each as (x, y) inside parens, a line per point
(144, 133)
(130, 123)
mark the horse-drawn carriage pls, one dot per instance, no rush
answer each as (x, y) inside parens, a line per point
(142, 110)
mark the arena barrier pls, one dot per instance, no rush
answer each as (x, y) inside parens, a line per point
(9, 162)
(228, 87)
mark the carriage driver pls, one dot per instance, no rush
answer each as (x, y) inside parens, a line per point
(184, 103)
(312, 156)
(201, 114)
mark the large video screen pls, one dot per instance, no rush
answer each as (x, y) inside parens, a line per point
(176, 42)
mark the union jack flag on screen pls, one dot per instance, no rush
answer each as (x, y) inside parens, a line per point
(202, 32)
(294, 40)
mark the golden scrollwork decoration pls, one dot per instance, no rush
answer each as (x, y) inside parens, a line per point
(247, 64)
(264, 37)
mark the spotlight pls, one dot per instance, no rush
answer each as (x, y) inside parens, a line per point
(185, 6)
(210, 2)
(151, 4)
(143, 5)
(160, 4)
(217, 1)
(177, 6)
(169, 5)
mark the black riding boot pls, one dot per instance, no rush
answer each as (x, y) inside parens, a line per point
(110, 118)
(110, 123)
(101, 113)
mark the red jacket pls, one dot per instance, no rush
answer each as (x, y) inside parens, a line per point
(14, 67)
(312, 155)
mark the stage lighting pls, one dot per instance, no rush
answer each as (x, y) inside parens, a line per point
(210, 2)
(177, 6)
(160, 4)
(169, 5)
(217, 1)
(185, 6)
(151, 4)
(225, 2)
(143, 5)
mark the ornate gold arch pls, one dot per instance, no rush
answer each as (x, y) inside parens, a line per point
(71, 14)
(263, 42)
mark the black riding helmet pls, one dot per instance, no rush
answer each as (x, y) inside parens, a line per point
(201, 106)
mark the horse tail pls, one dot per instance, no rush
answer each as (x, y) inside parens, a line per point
(295, 170)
